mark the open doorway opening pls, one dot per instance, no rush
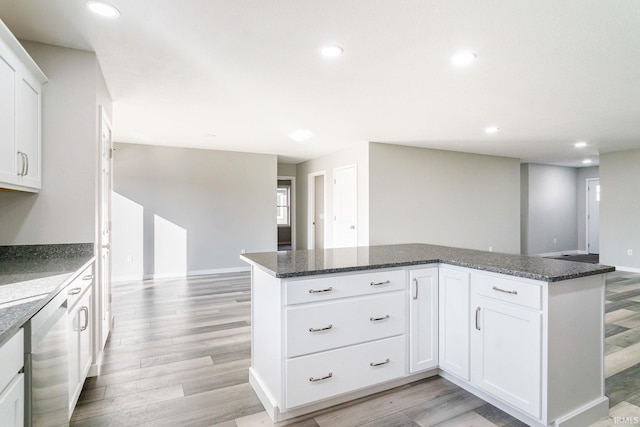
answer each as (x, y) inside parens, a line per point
(285, 212)
(593, 215)
(316, 221)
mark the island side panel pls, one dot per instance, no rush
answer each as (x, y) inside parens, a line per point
(266, 335)
(576, 346)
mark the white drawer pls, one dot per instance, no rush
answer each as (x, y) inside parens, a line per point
(11, 358)
(509, 290)
(343, 370)
(343, 285)
(332, 324)
(76, 289)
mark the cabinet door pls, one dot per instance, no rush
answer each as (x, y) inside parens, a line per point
(12, 403)
(8, 154)
(86, 327)
(28, 131)
(506, 353)
(423, 326)
(80, 325)
(453, 344)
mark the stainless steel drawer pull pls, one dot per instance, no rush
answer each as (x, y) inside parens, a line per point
(478, 318)
(379, 363)
(326, 328)
(377, 319)
(495, 288)
(415, 280)
(318, 291)
(380, 283)
(85, 309)
(326, 377)
(74, 291)
(88, 277)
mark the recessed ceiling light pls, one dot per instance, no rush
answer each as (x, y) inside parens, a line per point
(587, 161)
(300, 135)
(331, 51)
(103, 9)
(462, 59)
(491, 129)
(580, 144)
(210, 135)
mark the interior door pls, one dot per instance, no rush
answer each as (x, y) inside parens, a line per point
(106, 184)
(593, 215)
(345, 206)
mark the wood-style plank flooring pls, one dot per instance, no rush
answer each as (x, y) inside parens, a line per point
(180, 351)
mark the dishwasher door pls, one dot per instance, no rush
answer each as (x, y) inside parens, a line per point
(47, 366)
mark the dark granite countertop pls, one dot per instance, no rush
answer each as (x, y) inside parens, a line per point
(30, 276)
(297, 263)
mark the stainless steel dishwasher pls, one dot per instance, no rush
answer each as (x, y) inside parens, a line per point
(47, 366)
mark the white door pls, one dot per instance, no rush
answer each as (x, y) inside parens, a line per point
(318, 212)
(104, 265)
(453, 322)
(423, 324)
(345, 206)
(506, 347)
(593, 215)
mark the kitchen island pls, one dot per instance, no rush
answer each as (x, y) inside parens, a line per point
(526, 334)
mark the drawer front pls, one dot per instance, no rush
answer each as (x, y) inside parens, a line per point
(508, 290)
(342, 286)
(323, 326)
(11, 358)
(79, 286)
(328, 374)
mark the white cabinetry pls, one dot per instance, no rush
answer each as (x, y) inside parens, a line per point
(506, 351)
(454, 321)
(12, 382)
(20, 119)
(80, 321)
(423, 319)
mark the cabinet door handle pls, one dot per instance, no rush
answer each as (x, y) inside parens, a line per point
(74, 291)
(326, 377)
(380, 283)
(319, 291)
(22, 164)
(379, 363)
(88, 277)
(26, 170)
(85, 309)
(377, 319)
(478, 318)
(415, 295)
(495, 288)
(326, 328)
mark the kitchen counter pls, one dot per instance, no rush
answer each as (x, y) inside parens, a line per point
(312, 262)
(30, 276)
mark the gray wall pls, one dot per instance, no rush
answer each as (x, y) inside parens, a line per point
(583, 174)
(358, 155)
(620, 209)
(443, 197)
(551, 209)
(225, 201)
(64, 210)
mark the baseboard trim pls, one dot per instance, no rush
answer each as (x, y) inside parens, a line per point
(561, 253)
(627, 269)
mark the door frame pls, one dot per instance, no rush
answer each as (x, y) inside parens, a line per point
(311, 207)
(587, 212)
(292, 207)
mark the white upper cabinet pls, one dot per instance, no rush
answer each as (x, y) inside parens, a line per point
(20, 116)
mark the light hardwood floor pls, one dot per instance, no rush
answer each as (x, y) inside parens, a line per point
(180, 351)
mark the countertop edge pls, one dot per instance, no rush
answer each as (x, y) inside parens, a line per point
(10, 331)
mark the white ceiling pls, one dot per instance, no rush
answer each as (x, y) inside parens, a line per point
(548, 72)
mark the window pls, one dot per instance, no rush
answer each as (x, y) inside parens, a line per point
(283, 205)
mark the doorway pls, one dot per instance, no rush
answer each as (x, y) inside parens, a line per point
(316, 215)
(286, 213)
(593, 215)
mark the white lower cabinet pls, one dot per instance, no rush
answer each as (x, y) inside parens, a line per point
(331, 373)
(506, 352)
(423, 319)
(80, 327)
(454, 322)
(12, 382)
